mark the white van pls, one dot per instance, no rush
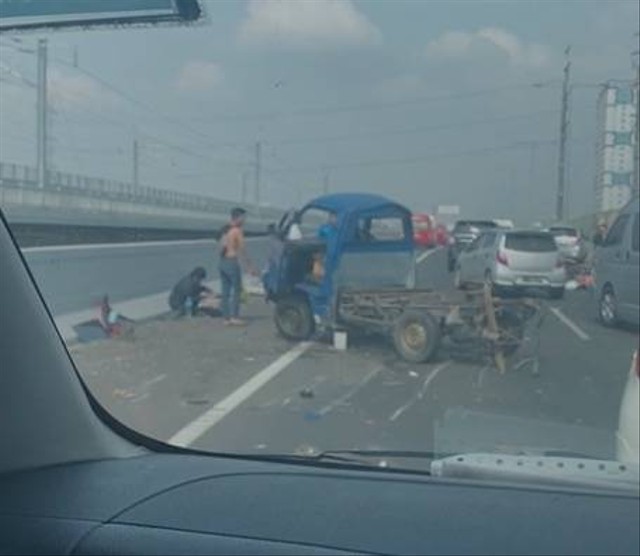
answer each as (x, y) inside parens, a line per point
(617, 269)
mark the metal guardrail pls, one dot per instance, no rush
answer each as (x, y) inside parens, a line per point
(21, 176)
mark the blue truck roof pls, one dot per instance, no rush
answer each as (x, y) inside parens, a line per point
(347, 202)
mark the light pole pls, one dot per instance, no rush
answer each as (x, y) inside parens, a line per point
(565, 112)
(42, 114)
(636, 164)
(564, 128)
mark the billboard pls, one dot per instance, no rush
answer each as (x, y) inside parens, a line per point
(36, 14)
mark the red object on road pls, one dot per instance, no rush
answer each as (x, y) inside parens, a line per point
(442, 236)
(424, 230)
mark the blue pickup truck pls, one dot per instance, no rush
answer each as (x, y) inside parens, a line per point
(351, 265)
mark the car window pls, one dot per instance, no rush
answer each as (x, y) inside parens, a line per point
(635, 233)
(569, 232)
(465, 226)
(474, 245)
(530, 242)
(617, 231)
(488, 240)
(380, 229)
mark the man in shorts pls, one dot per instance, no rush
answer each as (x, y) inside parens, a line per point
(233, 257)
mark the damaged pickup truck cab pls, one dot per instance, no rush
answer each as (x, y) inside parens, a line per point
(357, 240)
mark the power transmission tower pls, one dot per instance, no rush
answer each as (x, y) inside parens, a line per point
(41, 150)
(564, 127)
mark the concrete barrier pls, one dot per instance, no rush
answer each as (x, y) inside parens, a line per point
(76, 277)
(137, 277)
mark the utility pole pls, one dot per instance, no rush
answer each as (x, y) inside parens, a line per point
(564, 128)
(41, 149)
(257, 176)
(136, 163)
(636, 147)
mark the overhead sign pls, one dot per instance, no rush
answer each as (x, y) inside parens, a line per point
(451, 210)
(37, 14)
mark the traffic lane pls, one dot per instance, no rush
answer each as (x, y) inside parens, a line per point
(571, 404)
(173, 370)
(581, 305)
(325, 400)
(366, 398)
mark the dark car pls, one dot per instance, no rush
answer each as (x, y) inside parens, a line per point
(464, 232)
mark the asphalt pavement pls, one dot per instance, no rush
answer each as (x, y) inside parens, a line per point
(197, 383)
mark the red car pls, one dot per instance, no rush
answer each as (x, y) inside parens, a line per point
(425, 232)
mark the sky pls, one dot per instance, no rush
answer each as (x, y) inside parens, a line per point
(428, 102)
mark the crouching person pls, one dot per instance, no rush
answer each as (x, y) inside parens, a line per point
(190, 296)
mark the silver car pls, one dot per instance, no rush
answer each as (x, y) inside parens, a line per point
(617, 269)
(513, 260)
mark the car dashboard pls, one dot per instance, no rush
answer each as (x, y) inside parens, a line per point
(188, 504)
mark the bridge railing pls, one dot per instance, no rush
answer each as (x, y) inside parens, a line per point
(22, 176)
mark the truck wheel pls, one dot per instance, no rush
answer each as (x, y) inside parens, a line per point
(416, 336)
(293, 318)
(608, 307)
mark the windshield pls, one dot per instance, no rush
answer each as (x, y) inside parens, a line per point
(564, 232)
(473, 226)
(530, 242)
(155, 178)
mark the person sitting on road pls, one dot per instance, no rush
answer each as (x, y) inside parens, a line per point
(188, 294)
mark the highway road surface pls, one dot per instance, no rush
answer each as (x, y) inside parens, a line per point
(197, 383)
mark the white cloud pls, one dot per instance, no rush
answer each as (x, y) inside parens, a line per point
(462, 44)
(75, 90)
(198, 76)
(321, 24)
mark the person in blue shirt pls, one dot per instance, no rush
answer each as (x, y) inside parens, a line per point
(329, 229)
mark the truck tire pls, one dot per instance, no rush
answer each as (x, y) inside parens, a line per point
(416, 336)
(608, 307)
(293, 318)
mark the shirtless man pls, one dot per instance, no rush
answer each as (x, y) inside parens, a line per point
(232, 255)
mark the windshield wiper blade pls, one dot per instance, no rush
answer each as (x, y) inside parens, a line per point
(351, 457)
(408, 454)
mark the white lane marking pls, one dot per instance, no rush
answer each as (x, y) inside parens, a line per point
(421, 394)
(481, 374)
(570, 324)
(329, 407)
(149, 383)
(423, 256)
(194, 430)
(94, 246)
